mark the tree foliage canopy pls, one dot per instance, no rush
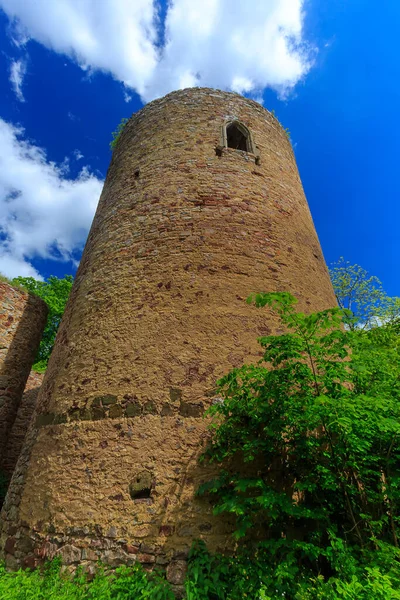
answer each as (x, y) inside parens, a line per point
(308, 440)
(362, 296)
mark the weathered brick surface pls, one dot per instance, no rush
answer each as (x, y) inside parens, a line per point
(157, 313)
(18, 430)
(22, 320)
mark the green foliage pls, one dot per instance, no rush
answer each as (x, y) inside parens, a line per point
(116, 134)
(362, 295)
(126, 583)
(309, 442)
(259, 576)
(376, 360)
(4, 279)
(211, 577)
(55, 293)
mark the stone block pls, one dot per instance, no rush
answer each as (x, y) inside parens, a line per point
(176, 572)
(69, 554)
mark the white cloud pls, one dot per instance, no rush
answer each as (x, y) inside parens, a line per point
(116, 37)
(229, 44)
(42, 212)
(11, 267)
(78, 154)
(127, 97)
(17, 74)
(233, 45)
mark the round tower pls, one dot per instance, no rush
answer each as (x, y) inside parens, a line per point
(22, 321)
(202, 206)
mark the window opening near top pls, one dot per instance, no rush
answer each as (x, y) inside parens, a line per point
(237, 137)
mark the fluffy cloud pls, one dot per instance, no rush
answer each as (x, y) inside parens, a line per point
(17, 74)
(116, 37)
(229, 44)
(42, 212)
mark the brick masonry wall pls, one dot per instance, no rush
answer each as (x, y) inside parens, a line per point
(18, 431)
(157, 313)
(22, 320)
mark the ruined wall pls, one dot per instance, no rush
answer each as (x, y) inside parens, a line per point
(157, 313)
(22, 320)
(20, 427)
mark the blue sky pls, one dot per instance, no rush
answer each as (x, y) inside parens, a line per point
(69, 72)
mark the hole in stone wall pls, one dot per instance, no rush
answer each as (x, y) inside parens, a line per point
(236, 138)
(137, 174)
(141, 485)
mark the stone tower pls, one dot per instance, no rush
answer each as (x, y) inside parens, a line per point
(22, 321)
(202, 206)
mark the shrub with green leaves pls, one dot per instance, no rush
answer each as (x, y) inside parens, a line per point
(309, 446)
(117, 133)
(254, 576)
(126, 583)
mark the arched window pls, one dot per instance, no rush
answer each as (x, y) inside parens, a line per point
(235, 135)
(238, 137)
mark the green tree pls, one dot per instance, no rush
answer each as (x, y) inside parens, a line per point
(362, 295)
(308, 440)
(55, 293)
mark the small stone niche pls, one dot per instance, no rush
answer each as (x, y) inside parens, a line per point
(141, 485)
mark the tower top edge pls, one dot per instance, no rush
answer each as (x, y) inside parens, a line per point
(203, 92)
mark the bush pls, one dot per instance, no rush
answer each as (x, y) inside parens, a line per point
(117, 133)
(127, 583)
(257, 576)
(309, 446)
(210, 577)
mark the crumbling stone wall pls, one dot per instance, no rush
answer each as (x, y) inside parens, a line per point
(22, 320)
(20, 427)
(184, 232)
